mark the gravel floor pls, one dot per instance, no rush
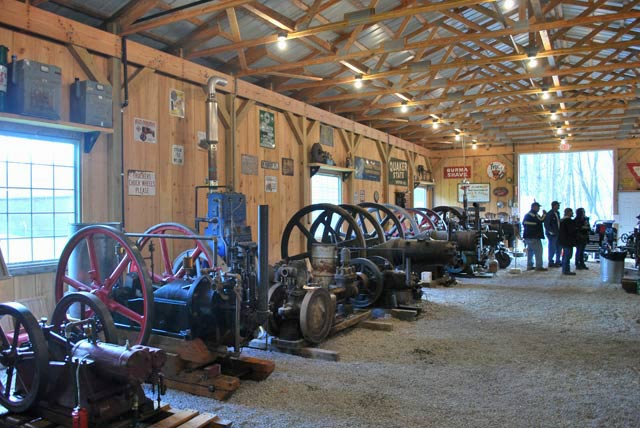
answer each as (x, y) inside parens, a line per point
(530, 350)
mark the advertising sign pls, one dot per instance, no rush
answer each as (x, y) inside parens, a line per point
(457, 172)
(368, 169)
(480, 192)
(398, 172)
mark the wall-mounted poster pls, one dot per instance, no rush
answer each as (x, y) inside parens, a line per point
(398, 172)
(496, 170)
(270, 183)
(287, 166)
(326, 135)
(269, 165)
(177, 154)
(145, 130)
(479, 192)
(201, 136)
(368, 169)
(267, 129)
(176, 103)
(457, 172)
(141, 183)
(249, 165)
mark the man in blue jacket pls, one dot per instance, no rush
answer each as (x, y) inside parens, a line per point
(533, 236)
(551, 230)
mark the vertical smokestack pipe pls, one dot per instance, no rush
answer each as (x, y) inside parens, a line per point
(263, 263)
(211, 142)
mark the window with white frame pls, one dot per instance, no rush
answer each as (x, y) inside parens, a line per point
(420, 197)
(39, 195)
(326, 188)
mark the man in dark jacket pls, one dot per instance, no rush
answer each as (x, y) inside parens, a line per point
(567, 239)
(582, 237)
(551, 230)
(533, 236)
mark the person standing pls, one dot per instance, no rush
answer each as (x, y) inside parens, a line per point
(567, 239)
(582, 238)
(533, 236)
(551, 230)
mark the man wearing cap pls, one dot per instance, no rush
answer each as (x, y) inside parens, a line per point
(551, 230)
(533, 236)
(567, 239)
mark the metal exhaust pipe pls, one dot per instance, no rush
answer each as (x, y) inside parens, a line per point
(263, 264)
(211, 141)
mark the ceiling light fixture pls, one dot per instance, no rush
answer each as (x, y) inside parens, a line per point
(404, 107)
(533, 62)
(545, 93)
(508, 4)
(559, 130)
(282, 41)
(436, 124)
(554, 115)
(358, 82)
(458, 137)
(474, 144)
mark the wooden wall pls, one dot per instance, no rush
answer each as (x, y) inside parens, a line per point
(174, 199)
(446, 191)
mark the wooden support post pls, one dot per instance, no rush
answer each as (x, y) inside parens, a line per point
(411, 159)
(306, 178)
(384, 149)
(115, 196)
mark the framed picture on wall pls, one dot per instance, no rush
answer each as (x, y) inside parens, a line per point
(326, 135)
(267, 122)
(478, 192)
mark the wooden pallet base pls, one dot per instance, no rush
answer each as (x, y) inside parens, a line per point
(165, 417)
(303, 349)
(192, 367)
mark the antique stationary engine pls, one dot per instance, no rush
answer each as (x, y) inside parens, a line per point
(68, 370)
(214, 291)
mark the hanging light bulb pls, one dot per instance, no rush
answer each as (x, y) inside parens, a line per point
(458, 137)
(533, 62)
(436, 124)
(474, 144)
(559, 130)
(404, 107)
(282, 41)
(554, 115)
(545, 94)
(508, 4)
(358, 82)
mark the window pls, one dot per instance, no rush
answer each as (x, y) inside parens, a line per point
(38, 197)
(326, 188)
(576, 179)
(420, 197)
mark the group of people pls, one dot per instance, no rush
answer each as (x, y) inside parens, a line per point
(564, 234)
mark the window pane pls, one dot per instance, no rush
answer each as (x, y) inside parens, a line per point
(19, 226)
(62, 224)
(43, 249)
(420, 197)
(19, 174)
(42, 176)
(19, 250)
(38, 191)
(64, 177)
(43, 201)
(64, 201)
(19, 200)
(42, 225)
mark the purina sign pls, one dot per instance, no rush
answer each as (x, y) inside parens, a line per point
(457, 172)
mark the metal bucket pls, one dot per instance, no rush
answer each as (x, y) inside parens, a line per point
(324, 262)
(611, 271)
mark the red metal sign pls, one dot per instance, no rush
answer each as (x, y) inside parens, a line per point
(635, 170)
(457, 172)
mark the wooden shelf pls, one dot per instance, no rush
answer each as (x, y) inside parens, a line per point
(91, 133)
(423, 183)
(315, 167)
